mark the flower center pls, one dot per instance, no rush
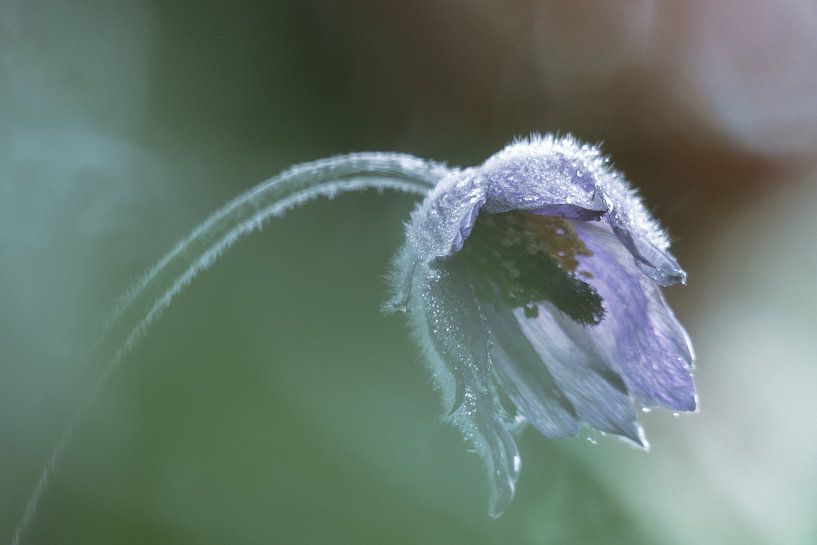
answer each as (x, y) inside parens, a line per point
(519, 260)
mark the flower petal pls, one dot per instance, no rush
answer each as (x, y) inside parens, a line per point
(448, 324)
(596, 391)
(563, 178)
(639, 232)
(545, 176)
(443, 221)
(639, 335)
(526, 380)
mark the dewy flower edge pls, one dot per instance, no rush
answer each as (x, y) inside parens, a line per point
(497, 368)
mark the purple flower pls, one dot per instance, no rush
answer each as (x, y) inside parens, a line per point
(533, 284)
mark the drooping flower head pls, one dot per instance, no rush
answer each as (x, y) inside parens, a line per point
(533, 284)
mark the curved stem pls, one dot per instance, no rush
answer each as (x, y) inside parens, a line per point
(142, 304)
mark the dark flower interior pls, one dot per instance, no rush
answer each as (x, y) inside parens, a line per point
(519, 260)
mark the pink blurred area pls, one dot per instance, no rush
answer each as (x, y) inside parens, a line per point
(729, 86)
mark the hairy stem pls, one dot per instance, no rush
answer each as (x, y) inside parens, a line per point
(143, 302)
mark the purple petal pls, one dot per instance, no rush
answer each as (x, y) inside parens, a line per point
(563, 178)
(568, 211)
(639, 335)
(448, 324)
(544, 176)
(638, 231)
(653, 261)
(443, 221)
(526, 380)
(595, 390)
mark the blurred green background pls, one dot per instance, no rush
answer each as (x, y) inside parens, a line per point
(272, 403)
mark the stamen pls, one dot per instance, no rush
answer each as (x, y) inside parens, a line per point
(520, 260)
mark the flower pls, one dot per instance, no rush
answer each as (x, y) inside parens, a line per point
(533, 285)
